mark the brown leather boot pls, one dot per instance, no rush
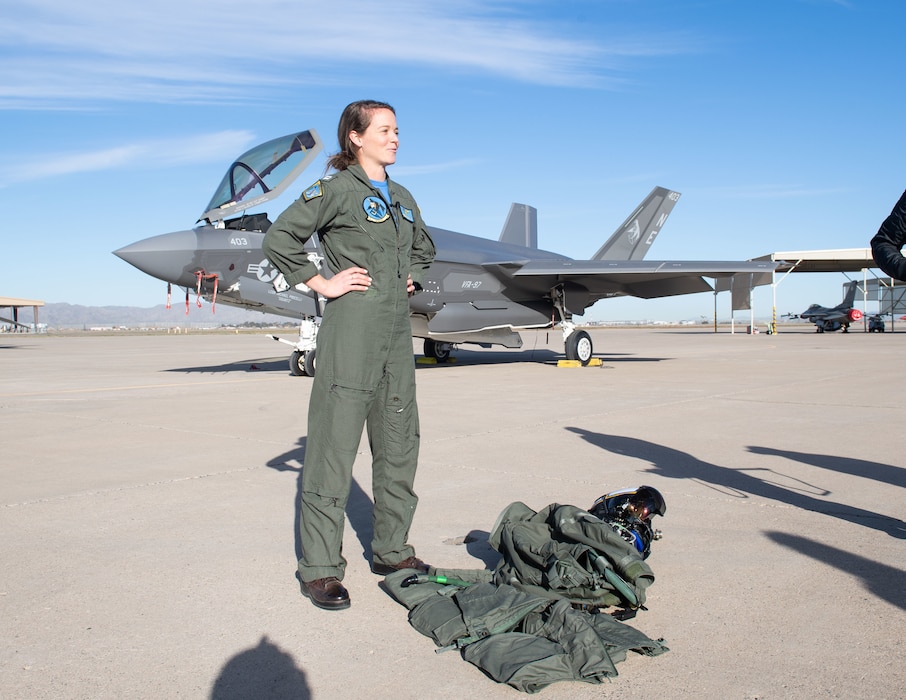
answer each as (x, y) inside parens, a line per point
(408, 563)
(327, 593)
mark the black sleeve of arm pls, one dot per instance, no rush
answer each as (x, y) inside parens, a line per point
(890, 238)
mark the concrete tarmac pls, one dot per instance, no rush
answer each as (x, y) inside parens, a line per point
(150, 483)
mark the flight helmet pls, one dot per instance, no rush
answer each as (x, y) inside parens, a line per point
(629, 512)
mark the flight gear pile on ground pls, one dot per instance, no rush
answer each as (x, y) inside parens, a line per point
(537, 617)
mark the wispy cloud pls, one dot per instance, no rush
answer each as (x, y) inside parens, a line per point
(56, 51)
(145, 154)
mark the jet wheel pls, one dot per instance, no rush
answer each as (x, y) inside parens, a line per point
(438, 351)
(308, 362)
(297, 363)
(579, 347)
(302, 363)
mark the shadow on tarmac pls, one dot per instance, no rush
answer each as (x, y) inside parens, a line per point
(360, 512)
(463, 358)
(261, 672)
(359, 507)
(542, 357)
(886, 582)
(674, 464)
(885, 473)
(266, 365)
(478, 546)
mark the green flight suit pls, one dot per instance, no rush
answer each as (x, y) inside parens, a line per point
(366, 370)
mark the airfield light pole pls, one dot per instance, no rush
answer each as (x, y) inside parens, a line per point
(715, 311)
(773, 300)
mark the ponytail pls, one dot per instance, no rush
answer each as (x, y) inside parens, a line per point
(356, 117)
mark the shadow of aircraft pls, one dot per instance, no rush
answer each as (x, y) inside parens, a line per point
(256, 365)
(466, 358)
(675, 464)
(463, 358)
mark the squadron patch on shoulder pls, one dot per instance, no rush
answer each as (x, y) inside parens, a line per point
(313, 192)
(407, 215)
(376, 210)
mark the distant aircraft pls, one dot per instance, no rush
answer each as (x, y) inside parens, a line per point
(876, 323)
(840, 316)
(477, 290)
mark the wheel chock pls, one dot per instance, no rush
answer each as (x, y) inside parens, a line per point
(593, 362)
(426, 360)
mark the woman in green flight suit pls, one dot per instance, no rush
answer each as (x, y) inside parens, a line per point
(378, 249)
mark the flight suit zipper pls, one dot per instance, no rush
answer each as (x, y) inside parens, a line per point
(368, 233)
(396, 226)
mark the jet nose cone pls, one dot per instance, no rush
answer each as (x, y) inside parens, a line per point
(169, 257)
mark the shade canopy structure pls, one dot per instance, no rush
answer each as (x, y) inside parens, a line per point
(14, 305)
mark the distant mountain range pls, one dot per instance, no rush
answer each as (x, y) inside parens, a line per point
(87, 317)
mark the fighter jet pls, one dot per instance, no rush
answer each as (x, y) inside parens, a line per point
(477, 290)
(840, 316)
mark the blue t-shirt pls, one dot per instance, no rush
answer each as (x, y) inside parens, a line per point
(383, 188)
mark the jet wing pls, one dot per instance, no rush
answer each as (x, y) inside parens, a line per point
(638, 278)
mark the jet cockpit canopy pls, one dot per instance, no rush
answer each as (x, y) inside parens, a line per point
(262, 174)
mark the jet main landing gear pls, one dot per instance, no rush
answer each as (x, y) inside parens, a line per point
(437, 350)
(579, 347)
(577, 343)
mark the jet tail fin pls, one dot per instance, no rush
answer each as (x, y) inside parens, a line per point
(521, 227)
(849, 297)
(633, 239)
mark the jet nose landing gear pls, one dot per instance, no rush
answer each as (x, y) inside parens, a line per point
(302, 359)
(302, 363)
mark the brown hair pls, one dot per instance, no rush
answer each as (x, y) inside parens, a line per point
(356, 117)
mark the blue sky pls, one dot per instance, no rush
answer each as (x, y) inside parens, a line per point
(780, 122)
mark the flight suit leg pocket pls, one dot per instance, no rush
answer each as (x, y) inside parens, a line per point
(335, 430)
(400, 429)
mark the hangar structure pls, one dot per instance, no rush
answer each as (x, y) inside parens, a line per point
(14, 305)
(838, 260)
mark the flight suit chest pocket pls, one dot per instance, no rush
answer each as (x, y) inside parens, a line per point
(370, 242)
